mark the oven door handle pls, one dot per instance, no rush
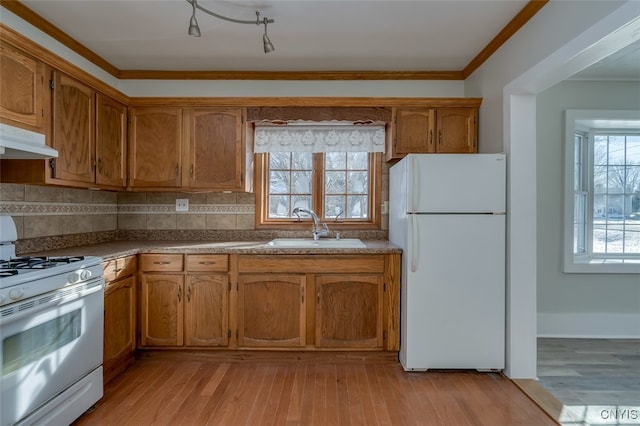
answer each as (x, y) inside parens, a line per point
(44, 301)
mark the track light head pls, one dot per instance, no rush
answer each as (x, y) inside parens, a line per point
(268, 46)
(194, 28)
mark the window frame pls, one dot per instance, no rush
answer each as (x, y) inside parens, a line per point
(262, 198)
(589, 262)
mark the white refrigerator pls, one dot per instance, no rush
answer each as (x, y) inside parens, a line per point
(447, 212)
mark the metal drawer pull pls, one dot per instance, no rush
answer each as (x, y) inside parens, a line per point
(161, 262)
(208, 262)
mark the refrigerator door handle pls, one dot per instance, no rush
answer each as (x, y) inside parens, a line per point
(414, 185)
(413, 232)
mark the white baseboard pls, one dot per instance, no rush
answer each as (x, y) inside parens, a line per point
(590, 325)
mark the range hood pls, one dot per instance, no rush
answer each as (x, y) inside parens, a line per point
(17, 143)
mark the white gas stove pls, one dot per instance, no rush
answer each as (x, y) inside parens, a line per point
(51, 320)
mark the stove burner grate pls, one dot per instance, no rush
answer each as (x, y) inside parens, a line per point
(37, 262)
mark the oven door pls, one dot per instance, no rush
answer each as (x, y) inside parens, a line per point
(48, 343)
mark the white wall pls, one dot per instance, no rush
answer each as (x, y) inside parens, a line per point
(577, 305)
(550, 47)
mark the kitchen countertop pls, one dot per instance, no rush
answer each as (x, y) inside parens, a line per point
(124, 248)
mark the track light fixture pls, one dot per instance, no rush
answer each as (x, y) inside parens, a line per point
(194, 28)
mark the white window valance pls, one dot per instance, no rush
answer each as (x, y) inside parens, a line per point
(319, 138)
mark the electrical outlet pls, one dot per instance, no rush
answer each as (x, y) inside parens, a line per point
(182, 204)
(385, 207)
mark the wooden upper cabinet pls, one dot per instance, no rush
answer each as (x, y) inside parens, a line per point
(414, 131)
(433, 130)
(73, 129)
(457, 130)
(155, 147)
(111, 142)
(216, 153)
(22, 89)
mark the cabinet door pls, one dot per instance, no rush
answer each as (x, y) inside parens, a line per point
(22, 88)
(414, 131)
(349, 311)
(73, 131)
(111, 121)
(206, 310)
(457, 131)
(162, 309)
(215, 149)
(271, 310)
(155, 144)
(119, 325)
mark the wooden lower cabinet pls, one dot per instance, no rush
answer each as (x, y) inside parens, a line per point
(271, 310)
(354, 307)
(161, 309)
(206, 311)
(246, 301)
(119, 316)
(179, 308)
(349, 311)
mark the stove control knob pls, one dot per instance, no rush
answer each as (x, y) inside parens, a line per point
(85, 274)
(2, 298)
(16, 293)
(74, 277)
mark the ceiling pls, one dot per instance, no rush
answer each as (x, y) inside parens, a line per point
(309, 35)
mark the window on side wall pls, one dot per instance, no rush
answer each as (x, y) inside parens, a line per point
(602, 179)
(332, 171)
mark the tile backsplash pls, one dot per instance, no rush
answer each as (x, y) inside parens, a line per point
(56, 217)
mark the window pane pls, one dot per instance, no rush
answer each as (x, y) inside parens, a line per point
(600, 179)
(632, 179)
(633, 150)
(357, 207)
(632, 236)
(616, 150)
(279, 182)
(599, 150)
(279, 206)
(358, 183)
(335, 183)
(616, 180)
(614, 241)
(302, 202)
(336, 160)
(615, 205)
(334, 206)
(358, 161)
(302, 160)
(280, 161)
(301, 182)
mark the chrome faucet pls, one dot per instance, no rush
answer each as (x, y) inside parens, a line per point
(319, 229)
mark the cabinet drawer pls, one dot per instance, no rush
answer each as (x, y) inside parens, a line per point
(119, 268)
(207, 262)
(311, 264)
(161, 262)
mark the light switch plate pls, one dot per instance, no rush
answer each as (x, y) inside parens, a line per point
(385, 208)
(182, 204)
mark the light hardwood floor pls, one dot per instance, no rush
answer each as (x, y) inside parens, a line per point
(288, 388)
(595, 381)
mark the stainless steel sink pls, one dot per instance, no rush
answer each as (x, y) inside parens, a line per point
(310, 243)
